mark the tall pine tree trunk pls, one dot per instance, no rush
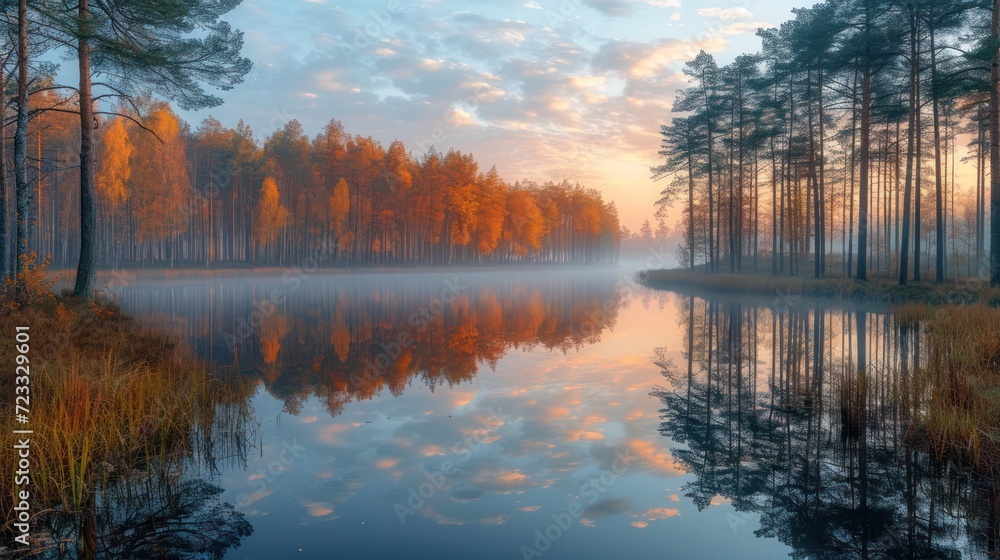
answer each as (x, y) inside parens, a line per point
(88, 219)
(904, 251)
(995, 150)
(866, 118)
(938, 184)
(22, 192)
(4, 270)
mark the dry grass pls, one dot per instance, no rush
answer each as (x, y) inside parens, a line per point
(107, 398)
(963, 368)
(911, 314)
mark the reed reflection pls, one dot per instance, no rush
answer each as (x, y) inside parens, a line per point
(166, 507)
(808, 417)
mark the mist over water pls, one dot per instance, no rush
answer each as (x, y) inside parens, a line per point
(568, 414)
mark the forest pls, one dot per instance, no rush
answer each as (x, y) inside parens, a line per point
(212, 196)
(104, 172)
(858, 142)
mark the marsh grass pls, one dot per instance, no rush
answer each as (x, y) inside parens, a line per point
(108, 399)
(912, 314)
(962, 370)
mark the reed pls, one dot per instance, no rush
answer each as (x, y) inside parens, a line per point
(911, 314)
(108, 398)
(962, 364)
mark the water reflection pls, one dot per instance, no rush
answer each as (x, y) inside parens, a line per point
(156, 515)
(348, 337)
(806, 417)
(168, 507)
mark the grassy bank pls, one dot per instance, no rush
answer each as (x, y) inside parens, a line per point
(961, 372)
(876, 290)
(107, 399)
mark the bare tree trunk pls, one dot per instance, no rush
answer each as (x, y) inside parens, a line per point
(866, 117)
(88, 219)
(712, 266)
(904, 251)
(918, 179)
(939, 192)
(995, 151)
(22, 193)
(854, 133)
(690, 162)
(4, 270)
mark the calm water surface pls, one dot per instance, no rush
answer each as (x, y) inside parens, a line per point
(567, 415)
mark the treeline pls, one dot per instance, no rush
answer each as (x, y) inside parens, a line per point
(837, 147)
(168, 194)
(214, 196)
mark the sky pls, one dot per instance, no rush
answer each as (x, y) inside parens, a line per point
(543, 89)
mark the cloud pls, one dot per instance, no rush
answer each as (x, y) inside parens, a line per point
(510, 478)
(465, 495)
(549, 101)
(614, 8)
(648, 60)
(742, 27)
(728, 14)
(606, 508)
(660, 513)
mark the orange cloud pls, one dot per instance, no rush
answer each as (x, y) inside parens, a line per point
(660, 513)
(318, 510)
(576, 435)
(510, 478)
(652, 457)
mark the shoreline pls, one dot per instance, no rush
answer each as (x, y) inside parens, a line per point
(875, 291)
(63, 278)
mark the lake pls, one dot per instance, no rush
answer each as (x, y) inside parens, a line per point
(565, 414)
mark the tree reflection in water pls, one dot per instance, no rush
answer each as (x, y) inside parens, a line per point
(350, 337)
(801, 416)
(157, 516)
